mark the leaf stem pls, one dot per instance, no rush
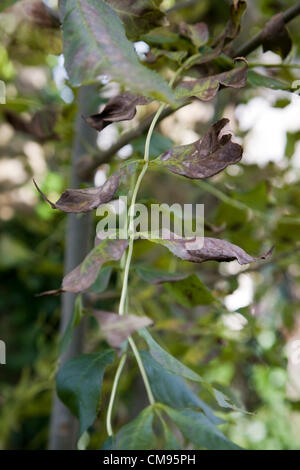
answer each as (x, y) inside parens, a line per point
(131, 232)
(113, 394)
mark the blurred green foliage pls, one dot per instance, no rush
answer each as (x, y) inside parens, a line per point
(255, 208)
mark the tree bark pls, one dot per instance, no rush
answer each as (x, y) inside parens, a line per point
(63, 425)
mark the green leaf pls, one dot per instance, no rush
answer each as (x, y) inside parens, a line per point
(108, 444)
(75, 319)
(170, 363)
(157, 276)
(199, 430)
(159, 143)
(138, 434)
(172, 390)
(79, 384)
(190, 292)
(94, 43)
(256, 79)
(139, 16)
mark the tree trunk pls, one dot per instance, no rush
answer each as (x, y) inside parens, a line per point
(64, 426)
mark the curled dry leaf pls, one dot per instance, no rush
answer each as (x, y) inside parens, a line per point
(197, 33)
(85, 200)
(206, 88)
(233, 26)
(85, 274)
(119, 108)
(205, 157)
(203, 249)
(275, 36)
(116, 328)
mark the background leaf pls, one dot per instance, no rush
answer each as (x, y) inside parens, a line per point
(138, 434)
(198, 429)
(79, 384)
(172, 390)
(190, 292)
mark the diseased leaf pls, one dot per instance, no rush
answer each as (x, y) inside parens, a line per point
(79, 384)
(170, 363)
(206, 88)
(203, 249)
(205, 157)
(102, 280)
(256, 79)
(85, 274)
(85, 200)
(198, 429)
(156, 276)
(172, 390)
(138, 434)
(275, 36)
(197, 33)
(190, 292)
(139, 16)
(94, 43)
(119, 108)
(116, 328)
(154, 54)
(233, 27)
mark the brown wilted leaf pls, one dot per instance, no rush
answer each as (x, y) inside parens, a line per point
(120, 108)
(138, 16)
(85, 200)
(116, 328)
(197, 33)
(206, 88)
(233, 27)
(205, 157)
(85, 274)
(275, 36)
(203, 249)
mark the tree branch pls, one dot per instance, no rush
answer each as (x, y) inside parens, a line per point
(64, 426)
(86, 169)
(256, 41)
